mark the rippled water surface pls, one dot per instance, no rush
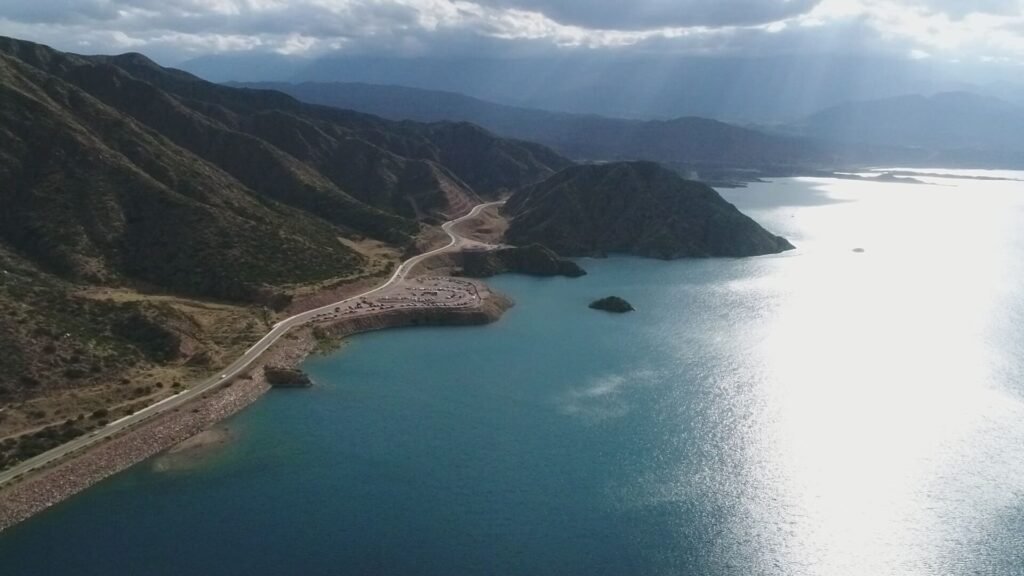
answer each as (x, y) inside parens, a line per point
(823, 412)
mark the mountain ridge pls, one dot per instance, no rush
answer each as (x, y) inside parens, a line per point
(686, 143)
(763, 89)
(714, 151)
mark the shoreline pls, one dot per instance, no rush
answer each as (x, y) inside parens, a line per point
(51, 485)
(192, 452)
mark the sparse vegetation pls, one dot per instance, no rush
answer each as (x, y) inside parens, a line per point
(18, 449)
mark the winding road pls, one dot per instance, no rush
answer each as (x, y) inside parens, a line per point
(238, 366)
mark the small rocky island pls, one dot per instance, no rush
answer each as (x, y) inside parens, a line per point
(279, 377)
(612, 304)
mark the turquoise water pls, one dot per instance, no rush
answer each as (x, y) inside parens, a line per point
(822, 412)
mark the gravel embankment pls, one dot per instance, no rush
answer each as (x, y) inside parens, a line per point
(45, 488)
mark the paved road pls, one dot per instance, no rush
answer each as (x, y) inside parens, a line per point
(240, 365)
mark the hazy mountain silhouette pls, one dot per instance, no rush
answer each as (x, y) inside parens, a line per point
(698, 144)
(740, 89)
(945, 121)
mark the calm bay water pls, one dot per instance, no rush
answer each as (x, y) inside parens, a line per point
(822, 412)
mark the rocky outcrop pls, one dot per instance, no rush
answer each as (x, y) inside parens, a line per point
(534, 260)
(612, 304)
(279, 377)
(638, 208)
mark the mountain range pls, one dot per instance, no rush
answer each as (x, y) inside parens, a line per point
(743, 89)
(708, 147)
(140, 202)
(949, 129)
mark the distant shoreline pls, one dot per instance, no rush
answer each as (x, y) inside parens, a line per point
(740, 179)
(951, 176)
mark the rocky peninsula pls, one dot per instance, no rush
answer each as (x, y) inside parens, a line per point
(638, 208)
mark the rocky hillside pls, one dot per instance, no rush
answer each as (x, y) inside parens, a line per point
(151, 219)
(633, 208)
(115, 167)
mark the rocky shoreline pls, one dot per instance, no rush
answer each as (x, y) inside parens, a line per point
(533, 260)
(47, 487)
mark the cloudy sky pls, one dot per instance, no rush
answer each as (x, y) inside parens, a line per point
(178, 30)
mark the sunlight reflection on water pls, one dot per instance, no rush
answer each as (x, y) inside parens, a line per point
(881, 442)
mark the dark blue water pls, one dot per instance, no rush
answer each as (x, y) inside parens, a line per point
(821, 412)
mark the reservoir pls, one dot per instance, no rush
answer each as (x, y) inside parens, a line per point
(851, 408)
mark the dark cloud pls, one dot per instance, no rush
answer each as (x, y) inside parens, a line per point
(646, 14)
(177, 30)
(59, 11)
